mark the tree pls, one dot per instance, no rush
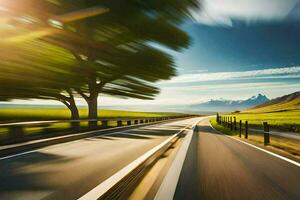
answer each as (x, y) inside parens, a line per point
(112, 51)
(27, 73)
(119, 40)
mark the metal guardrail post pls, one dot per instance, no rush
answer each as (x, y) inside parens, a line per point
(246, 129)
(93, 125)
(75, 126)
(119, 123)
(240, 128)
(16, 133)
(104, 123)
(231, 124)
(266, 133)
(141, 121)
(129, 122)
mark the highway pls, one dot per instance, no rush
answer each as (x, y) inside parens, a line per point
(219, 167)
(70, 170)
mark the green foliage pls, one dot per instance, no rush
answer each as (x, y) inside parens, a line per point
(67, 48)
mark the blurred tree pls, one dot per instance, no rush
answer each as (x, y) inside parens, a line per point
(28, 73)
(114, 47)
(111, 41)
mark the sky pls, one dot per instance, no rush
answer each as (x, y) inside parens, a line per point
(239, 48)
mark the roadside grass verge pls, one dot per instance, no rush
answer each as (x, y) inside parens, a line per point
(287, 145)
(221, 128)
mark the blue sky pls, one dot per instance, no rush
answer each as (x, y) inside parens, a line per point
(239, 48)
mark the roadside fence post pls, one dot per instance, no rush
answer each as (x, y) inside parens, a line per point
(246, 129)
(235, 128)
(231, 125)
(266, 133)
(240, 128)
(228, 122)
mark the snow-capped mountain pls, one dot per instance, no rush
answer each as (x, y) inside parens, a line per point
(223, 105)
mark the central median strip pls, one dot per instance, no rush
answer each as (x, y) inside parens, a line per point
(118, 182)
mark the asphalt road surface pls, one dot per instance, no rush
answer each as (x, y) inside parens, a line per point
(219, 167)
(69, 170)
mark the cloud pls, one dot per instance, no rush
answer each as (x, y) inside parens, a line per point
(286, 72)
(221, 12)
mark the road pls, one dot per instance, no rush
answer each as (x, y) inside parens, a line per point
(219, 167)
(69, 170)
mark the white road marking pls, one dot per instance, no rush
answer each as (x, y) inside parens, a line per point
(261, 149)
(167, 189)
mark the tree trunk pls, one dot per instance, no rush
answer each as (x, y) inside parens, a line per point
(93, 110)
(74, 114)
(71, 105)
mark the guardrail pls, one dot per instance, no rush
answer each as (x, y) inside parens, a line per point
(17, 131)
(231, 122)
(119, 185)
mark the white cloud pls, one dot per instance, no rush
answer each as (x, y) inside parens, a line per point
(221, 12)
(286, 72)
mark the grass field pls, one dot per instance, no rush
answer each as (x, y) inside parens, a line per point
(287, 145)
(27, 114)
(279, 107)
(284, 116)
(284, 120)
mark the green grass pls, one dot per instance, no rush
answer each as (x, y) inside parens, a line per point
(284, 116)
(290, 146)
(221, 128)
(279, 107)
(27, 114)
(284, 120)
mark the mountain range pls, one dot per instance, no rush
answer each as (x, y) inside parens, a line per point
(285, 103)
(223, 105)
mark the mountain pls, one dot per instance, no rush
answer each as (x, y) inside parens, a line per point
(223, 105)
(284, 103)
